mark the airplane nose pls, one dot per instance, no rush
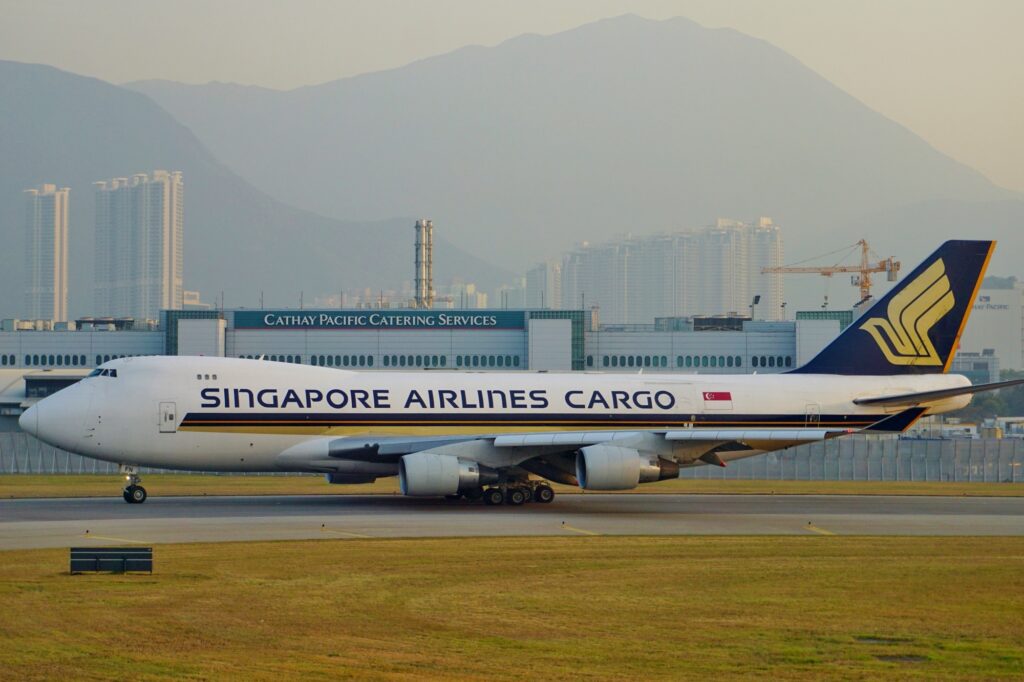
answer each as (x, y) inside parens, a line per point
(29, 420)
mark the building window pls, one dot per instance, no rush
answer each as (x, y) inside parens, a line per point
(789, 361)
(771, 361)
(739, 361)
(703, 361)
(754, 362)
(590, 361)
(721, 361)
(515, 361)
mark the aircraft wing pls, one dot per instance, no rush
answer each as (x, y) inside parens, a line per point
(933, 396)
(681, 446)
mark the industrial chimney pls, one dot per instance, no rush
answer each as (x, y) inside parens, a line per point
(424, 261)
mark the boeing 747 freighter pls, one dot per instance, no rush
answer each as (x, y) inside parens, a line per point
(501, 436)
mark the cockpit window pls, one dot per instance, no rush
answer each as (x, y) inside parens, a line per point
(103, 373)
(95, 373)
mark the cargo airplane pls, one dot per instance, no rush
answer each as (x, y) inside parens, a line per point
(501, 436)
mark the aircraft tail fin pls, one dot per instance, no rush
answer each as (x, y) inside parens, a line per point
(916, 327)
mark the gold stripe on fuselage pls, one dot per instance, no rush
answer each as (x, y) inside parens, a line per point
(485, 429)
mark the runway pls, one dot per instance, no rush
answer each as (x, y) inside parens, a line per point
(78, 521)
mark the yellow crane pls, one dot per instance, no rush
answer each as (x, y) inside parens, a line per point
(890, 266)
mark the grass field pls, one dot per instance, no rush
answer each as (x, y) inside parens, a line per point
(12, 486)
(541, 608)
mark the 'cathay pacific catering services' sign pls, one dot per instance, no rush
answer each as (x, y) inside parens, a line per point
(379, 319)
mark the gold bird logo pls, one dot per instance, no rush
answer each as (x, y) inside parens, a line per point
(903, 337)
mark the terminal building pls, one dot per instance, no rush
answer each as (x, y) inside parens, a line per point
(552, 340)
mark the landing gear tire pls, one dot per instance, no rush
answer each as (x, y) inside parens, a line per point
(473, 494)
(135, 494)
(543, 494)
(494, 497)
(516, 496)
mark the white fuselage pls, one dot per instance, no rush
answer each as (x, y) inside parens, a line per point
(226, 414)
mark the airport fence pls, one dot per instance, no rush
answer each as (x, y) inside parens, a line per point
(858, 458)
(853, 458)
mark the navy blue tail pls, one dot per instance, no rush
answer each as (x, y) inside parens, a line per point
(916, 327)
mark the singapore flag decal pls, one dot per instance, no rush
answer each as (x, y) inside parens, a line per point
(717, 400)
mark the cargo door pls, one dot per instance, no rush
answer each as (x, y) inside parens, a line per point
(168, 418)
(812, 416)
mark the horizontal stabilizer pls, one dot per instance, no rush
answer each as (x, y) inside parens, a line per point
(897, 423)
(933, 396)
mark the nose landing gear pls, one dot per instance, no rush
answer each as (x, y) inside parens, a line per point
(133, 493)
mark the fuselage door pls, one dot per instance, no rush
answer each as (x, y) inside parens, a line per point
(813, 415)
(168, 418)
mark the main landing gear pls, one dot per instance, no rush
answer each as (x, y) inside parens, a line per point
(517, 494)
(133, 493)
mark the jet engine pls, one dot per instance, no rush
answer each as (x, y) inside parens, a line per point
(610, 467)
(428, 474)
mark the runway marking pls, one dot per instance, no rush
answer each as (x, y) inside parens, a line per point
(342, 533)
(820, 531)
(573, 529)
(89, 536)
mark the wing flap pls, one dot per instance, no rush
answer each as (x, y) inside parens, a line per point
(910, 399)
(745, 435)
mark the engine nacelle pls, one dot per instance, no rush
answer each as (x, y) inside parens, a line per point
(429, 474)
(610, 467)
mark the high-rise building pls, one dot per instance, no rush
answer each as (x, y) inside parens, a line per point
(711, 271)
(544, 286)
(46, 253)
(139, 231)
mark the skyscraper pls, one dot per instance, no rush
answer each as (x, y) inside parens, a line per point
(544, 286)
(46, 253)
(139, 229)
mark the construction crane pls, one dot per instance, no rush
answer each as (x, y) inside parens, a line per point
(863, 270)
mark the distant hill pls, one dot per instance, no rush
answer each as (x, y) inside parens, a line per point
(71, 130)
(624, 125)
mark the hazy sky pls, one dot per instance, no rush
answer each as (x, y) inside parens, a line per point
(952, 71)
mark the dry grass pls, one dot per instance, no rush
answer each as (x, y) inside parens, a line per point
(549, 608)
(12, 486)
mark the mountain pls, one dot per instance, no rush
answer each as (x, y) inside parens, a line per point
(623, 125)
(71, 130)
